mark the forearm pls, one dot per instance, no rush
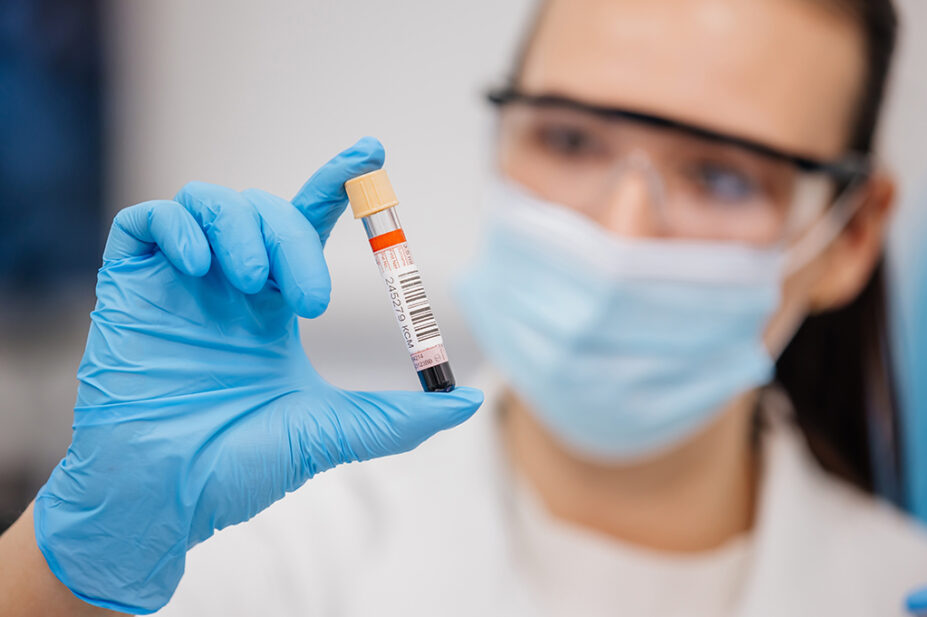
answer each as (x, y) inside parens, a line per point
(27, 586)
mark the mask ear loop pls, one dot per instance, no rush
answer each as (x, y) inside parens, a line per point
(818, 237)
(827, 229)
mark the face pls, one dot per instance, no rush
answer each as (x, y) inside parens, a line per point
(784, 73)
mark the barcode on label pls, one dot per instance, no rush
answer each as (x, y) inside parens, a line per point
(423, 320)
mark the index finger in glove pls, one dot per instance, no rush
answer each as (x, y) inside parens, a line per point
(295, 252)
(322, 198)
(161, 224)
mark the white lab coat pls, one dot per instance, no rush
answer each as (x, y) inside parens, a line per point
(447, 530)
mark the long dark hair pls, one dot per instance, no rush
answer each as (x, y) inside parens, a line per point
(837, 370)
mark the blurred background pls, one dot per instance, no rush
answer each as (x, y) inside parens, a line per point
(105, 104)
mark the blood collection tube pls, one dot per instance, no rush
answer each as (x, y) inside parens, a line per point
(374, 202)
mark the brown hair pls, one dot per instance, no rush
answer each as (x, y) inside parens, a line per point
(838, 368)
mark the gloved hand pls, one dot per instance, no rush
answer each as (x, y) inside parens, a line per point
(197, 407)
(917, 603)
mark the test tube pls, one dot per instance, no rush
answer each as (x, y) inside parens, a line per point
(374, 203)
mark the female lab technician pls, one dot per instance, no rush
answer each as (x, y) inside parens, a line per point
(680, 292)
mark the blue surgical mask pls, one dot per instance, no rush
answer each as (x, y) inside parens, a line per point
(622, 347)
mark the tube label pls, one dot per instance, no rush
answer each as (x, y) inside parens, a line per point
(407, 295)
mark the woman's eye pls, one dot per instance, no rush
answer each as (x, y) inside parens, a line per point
(568, 141)
(723, 182)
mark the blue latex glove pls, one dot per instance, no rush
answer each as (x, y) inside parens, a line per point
(917, 603)
(197, 407)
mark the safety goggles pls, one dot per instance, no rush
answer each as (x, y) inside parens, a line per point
(701, 184)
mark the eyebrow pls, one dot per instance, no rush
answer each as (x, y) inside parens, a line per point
(848, 167)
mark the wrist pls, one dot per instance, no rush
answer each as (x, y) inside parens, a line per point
(101, 561)
(27, 584)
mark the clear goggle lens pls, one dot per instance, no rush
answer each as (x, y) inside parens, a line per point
(697, 187)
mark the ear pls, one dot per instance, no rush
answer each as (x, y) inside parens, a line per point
(849, 262)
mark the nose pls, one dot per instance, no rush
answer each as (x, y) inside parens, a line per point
(633, 202)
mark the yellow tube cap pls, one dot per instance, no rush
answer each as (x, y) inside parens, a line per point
(370, 193)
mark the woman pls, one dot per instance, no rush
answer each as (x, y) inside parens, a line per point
(686, 213)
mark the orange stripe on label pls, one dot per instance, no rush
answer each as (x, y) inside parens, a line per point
(384, 241)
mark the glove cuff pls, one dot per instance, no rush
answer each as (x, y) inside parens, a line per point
(87, 559)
